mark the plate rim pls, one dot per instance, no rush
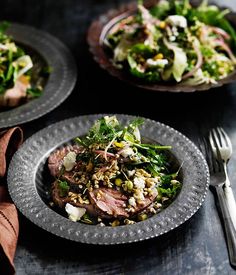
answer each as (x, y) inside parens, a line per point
(22, 181)
(55, 53)
(95, 32)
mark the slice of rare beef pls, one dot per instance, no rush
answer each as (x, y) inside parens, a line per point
(109, 203)
(148, 200)
(15, 95)
(55, 159)
(61, 201)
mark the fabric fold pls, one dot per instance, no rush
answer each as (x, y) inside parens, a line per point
(10, 140)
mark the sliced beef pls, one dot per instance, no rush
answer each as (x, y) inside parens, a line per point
(69, 177)
(55, 160)
(61, 201)
(105, 202)
(13, 96)
(146, 202)
(109, 203)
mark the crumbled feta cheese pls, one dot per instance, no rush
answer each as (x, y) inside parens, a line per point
(138, 195)
(172, 38)
(69, 161)
(75, 213)
(157, 63)
(130, 173)
(132, 201)
(137, 134)
(221, 57)
(111, 120)
(127, 152)
(139, 183)
(177, 20)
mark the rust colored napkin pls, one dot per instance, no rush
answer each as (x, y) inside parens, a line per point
(10, 140)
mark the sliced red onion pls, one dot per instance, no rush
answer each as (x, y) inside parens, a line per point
(203, 34)
(121, 25)
(198, 64)
(221, 32)
(226, 48)
(103, 153)
(147, 17)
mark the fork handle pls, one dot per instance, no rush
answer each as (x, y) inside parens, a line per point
(230, 200)
(230, 231)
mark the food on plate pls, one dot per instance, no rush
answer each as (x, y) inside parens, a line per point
(174, 42)
(20, 79)
(110, 177)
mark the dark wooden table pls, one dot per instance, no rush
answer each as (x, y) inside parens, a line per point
(196, 247)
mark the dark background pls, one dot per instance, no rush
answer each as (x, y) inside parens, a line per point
(196, 247)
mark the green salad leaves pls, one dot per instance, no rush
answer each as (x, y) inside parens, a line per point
(21, 76)
(175, 42)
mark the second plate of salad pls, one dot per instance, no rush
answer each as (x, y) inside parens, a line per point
(37, 73)
(167, 45)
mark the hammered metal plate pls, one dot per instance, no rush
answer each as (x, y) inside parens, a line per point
(61, 80)
(28, 180)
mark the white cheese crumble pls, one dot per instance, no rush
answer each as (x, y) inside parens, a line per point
(137, 134)
(111, 120)
(132, 201)
(130, 173)
(139, 195)
(75, 213)
(157, 63)
(127, 152)
(177, 20)
(139, 183)
(69, 161)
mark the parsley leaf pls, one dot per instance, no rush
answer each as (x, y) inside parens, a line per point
(63, 188)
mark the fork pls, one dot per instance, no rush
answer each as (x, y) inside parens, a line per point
(219, 138)
(217, 180)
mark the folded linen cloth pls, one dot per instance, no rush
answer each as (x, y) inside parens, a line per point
(10, 140)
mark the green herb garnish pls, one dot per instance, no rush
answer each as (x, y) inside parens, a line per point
(63, 188)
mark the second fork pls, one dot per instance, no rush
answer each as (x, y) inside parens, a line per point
(219, 139)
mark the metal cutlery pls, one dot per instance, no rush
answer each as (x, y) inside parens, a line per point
(219, 138)
(217, 181)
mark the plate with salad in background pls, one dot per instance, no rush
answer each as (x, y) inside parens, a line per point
(167, 45)
(37, 73)
(108, 179)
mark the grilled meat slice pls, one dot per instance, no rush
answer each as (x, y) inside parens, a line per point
(14, 96)
(148, 200)
(61, 201)
(109, 203)
(55, 160)
(105, 203)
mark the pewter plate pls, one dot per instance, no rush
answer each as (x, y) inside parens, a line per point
(28, 180)
(61, 80)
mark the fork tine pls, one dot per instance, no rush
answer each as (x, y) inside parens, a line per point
(215, 136)
(211, 140)
(223, 139)
(207, 152)
(214, 142)
(205, 147)
(226, 137)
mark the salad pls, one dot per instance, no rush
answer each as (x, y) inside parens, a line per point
(174, 42)
(20, 79)
(110, 177)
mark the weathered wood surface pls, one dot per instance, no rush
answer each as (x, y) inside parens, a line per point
(196, 247)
